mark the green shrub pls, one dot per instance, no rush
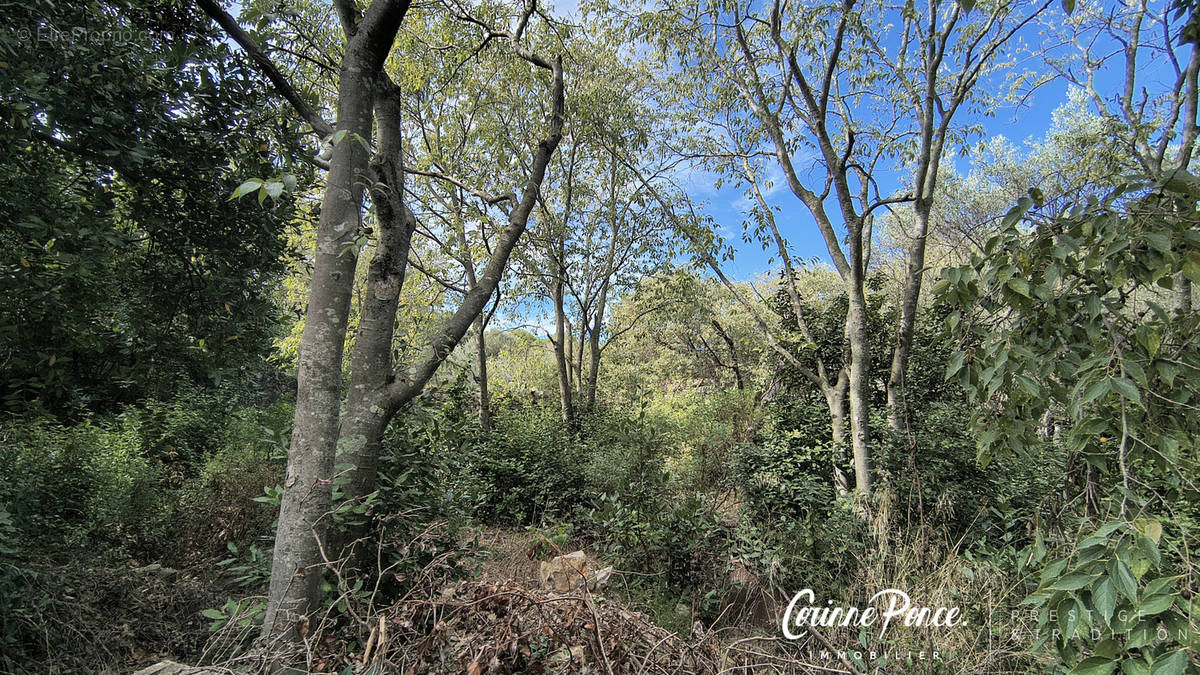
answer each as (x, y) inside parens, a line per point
(106, 485)
(179, 434)
(424, 467)
(701, 430)
(625, 453)
(528, 468)
(222, 503)
(80, 486)
(681, 540)
(10, 579)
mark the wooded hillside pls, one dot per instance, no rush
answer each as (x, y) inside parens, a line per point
(499, 336)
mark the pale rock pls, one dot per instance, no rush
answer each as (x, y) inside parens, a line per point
(564, 572)
(599, 578)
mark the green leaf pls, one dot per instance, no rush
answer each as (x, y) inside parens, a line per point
(1108, 648)
(956, 363)
(1142, 635)
(1068, 618)
(1104, 598)
(1153, 342)
(1167, 371)
(246, 188)
(1123, 579)
(1191, 270)
(1175, 664)
(1068, 6)
(1023, 204)
(1095, 391)
(1028, 385)
(1134, 667)
(213, 614)
(1054, 569)
(1148, 548)
(1072, 582)
(1019, 286)
(1127, 389)
(1158, 586)
(1156, 604)
(1108, 528)
(1159, 242)
(1096, 665)
(1179, 629)
(1151, 528)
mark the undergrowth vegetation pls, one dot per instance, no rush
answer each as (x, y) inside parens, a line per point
(743, 316)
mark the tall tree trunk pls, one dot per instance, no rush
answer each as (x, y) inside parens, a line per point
(594, 348)
(835, 400)
(911, 294)
(371, 365)
(577, 364)
(485, 414)
(295, 571)
(562, 340)
(405, 386)
(376, 393)
(860, 373)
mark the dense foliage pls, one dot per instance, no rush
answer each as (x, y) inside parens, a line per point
(126, 272)
(320, 309)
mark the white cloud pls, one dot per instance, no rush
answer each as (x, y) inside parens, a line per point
(770, 180)
(698, 182)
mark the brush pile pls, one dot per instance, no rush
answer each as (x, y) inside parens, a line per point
(478, 627)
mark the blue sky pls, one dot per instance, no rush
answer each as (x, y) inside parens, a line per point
(1029, 121)
(728, 206)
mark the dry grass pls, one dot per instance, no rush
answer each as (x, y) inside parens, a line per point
(82, 619)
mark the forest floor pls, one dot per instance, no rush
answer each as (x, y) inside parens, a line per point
(92, 618)
(508, 556)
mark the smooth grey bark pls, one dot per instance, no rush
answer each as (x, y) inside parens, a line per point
(485, 413)
(594, 349)
(835, 400)
(593, 378)
(815, 104)
(295, 573)
(371, 363)
(910, 296)
(859, 389)
(577, 351)
(376, 393)
(401, 388)
(562, 339)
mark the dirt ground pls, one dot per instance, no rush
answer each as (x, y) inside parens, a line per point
(514, 556)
